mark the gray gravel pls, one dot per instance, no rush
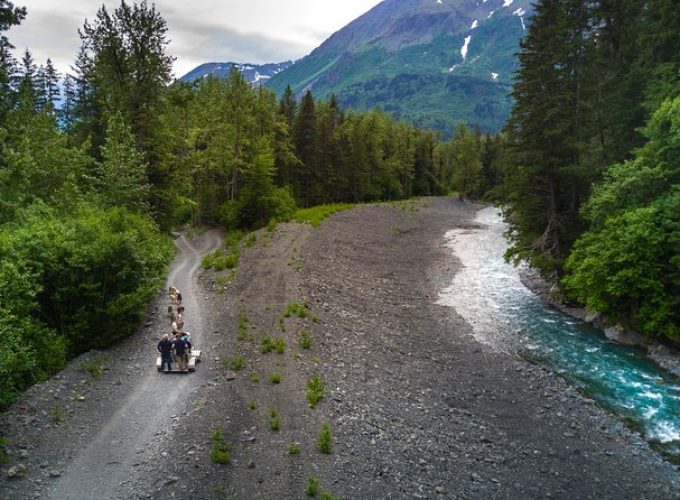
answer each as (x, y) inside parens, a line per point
(417, 408)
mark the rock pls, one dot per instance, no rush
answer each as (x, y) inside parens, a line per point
(251, 465)
(591, 316)
(622, 336)
(16, 472)
(55, 473)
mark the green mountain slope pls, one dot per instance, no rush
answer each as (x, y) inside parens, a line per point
(411, 58)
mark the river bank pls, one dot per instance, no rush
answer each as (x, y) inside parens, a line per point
(417, 407)
(664, 355)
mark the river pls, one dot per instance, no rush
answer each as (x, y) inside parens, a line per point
(505, 315)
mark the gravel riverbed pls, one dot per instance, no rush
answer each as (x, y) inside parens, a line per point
(417, 408)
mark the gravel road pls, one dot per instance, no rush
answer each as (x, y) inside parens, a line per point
(109, 425)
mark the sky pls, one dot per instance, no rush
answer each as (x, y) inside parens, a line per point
(252, 31)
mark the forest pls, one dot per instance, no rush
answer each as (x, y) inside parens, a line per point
(93, 182)
(592, 165)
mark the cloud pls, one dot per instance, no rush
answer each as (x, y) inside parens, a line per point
(194, 43)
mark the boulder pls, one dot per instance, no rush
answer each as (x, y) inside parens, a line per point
(16, 472)
(622, 336)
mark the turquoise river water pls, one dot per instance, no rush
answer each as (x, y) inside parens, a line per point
(504, 314)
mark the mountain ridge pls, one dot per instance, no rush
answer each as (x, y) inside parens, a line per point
(254, 73)
(431, 62)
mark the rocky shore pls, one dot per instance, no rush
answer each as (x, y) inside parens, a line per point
(416, 407)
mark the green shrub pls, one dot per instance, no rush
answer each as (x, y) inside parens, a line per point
(275, 378)
(294, 449)
(235, 364)
(269, 345)
(57, 413)
(304, 340)
(325, 441)
(219, 453)
(255, 377)
(252, 404)
(274, 420)
(312, 487)
(315, 391)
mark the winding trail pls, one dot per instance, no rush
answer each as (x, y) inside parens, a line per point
(103, 467)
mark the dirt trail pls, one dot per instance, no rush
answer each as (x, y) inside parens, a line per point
(107, 461)
(86, 438)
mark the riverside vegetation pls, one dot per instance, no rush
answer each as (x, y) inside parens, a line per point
(587, 164)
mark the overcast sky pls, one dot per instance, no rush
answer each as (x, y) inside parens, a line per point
(255, 31)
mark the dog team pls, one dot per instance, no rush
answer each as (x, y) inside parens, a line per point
(177, 348)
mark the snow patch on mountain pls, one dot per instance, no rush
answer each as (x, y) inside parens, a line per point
(464, 48)
(519, 13)
(475, 23)
(507, 3)
(494, 76)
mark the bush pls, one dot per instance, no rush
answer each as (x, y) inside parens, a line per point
(312, 487)
(305, 341)
(274, 420)
(219, 452)
(294, 449)
(71, 283)
(269, 345)
(275, 378)
(325, 441)
(315, 391)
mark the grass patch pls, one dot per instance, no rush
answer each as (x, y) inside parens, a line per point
(94, 367)
(243, 325)
(315, 391)
(219, 453)
(236, 364)
(274, 420)
(250, 240)
(301, 310)
(316, 360)
(294, 449)
(269, 345)
(325, 441)
(275, 378)
(228, 257)
(252, 404)
(314, 216)
(304, 340)
(255, 377)
(57, 413)
(312, 486)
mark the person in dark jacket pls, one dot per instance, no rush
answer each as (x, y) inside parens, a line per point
(165, 348)
(181, 354)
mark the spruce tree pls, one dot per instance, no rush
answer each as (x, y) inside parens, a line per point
(307, 148)
(121, 178)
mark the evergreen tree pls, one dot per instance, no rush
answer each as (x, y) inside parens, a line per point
(307, 149)
(547, 178)
(9, 16)
(122, 179)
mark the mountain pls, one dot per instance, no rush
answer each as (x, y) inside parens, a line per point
(431, 62)
(254, 73)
